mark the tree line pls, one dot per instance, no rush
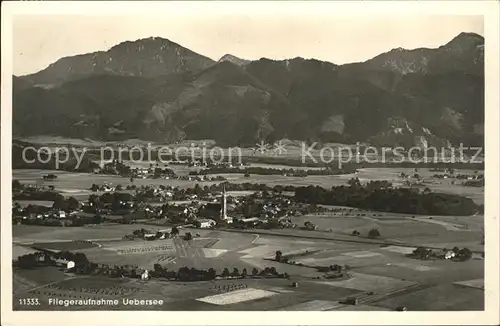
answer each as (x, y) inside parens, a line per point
(380, 196)
(84, 266)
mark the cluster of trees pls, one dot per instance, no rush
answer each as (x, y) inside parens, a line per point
(193, 274)
(32, 260)
(247, 186)
(380, 196)
(79, 258)
(71, 221)
(139, 233)
(466, 176)
(66, 204)
(372, 234)
(421, 253)
(115, 202)
(116, 168)
(424, 254)
(84, 266)
(159, 172)
(462, 254)
(474, 183)
(38, 259)
(29, 193)
(16, 185)
(31, 208)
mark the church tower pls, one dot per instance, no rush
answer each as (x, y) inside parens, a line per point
(223, 210)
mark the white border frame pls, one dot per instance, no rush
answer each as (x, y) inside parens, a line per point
(490, 11)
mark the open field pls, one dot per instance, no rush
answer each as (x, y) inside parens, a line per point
(385, 271)
(78, 184)
(439, 298)
(376, 265)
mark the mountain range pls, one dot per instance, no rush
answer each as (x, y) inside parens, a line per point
(155, 89)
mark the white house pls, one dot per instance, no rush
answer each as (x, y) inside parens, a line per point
(150, 236)
(449, 255)
(207, 223)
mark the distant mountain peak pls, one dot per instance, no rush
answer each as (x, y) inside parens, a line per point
(469, 35)
(400, 49)
(465, 41)
(147, 57)
(234, 59)
(153, 41)
(464, 52)
(155, 89)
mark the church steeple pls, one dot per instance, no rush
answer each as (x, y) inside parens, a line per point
(224, 203)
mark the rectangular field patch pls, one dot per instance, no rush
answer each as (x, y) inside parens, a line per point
(362, 254)
(477, 283)
(415, 266)
(314, 305)
(237, 296)
(367, 282)
(280, 290)
(399, 250)
(213, 253)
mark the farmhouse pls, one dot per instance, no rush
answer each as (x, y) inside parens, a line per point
(49, 177)
(449, 255)
(59, 214)
(250, 221)
(150, 236)
(206, 223)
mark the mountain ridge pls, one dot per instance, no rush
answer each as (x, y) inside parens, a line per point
(156, 89)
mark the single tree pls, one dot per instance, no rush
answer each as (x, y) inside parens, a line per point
(465, 254)
(225, 272)
(16, 185)
(188, 236)
(212, 273)
(373, 233)
(175, 231)
(278, 256)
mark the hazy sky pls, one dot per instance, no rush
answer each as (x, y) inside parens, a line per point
(40, 40)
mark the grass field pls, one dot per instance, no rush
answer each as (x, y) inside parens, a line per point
(374, 267)
(78, 184)
(439, 298)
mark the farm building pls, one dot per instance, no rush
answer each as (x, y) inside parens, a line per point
(207, 223)
(449, 255)
(150, 236)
